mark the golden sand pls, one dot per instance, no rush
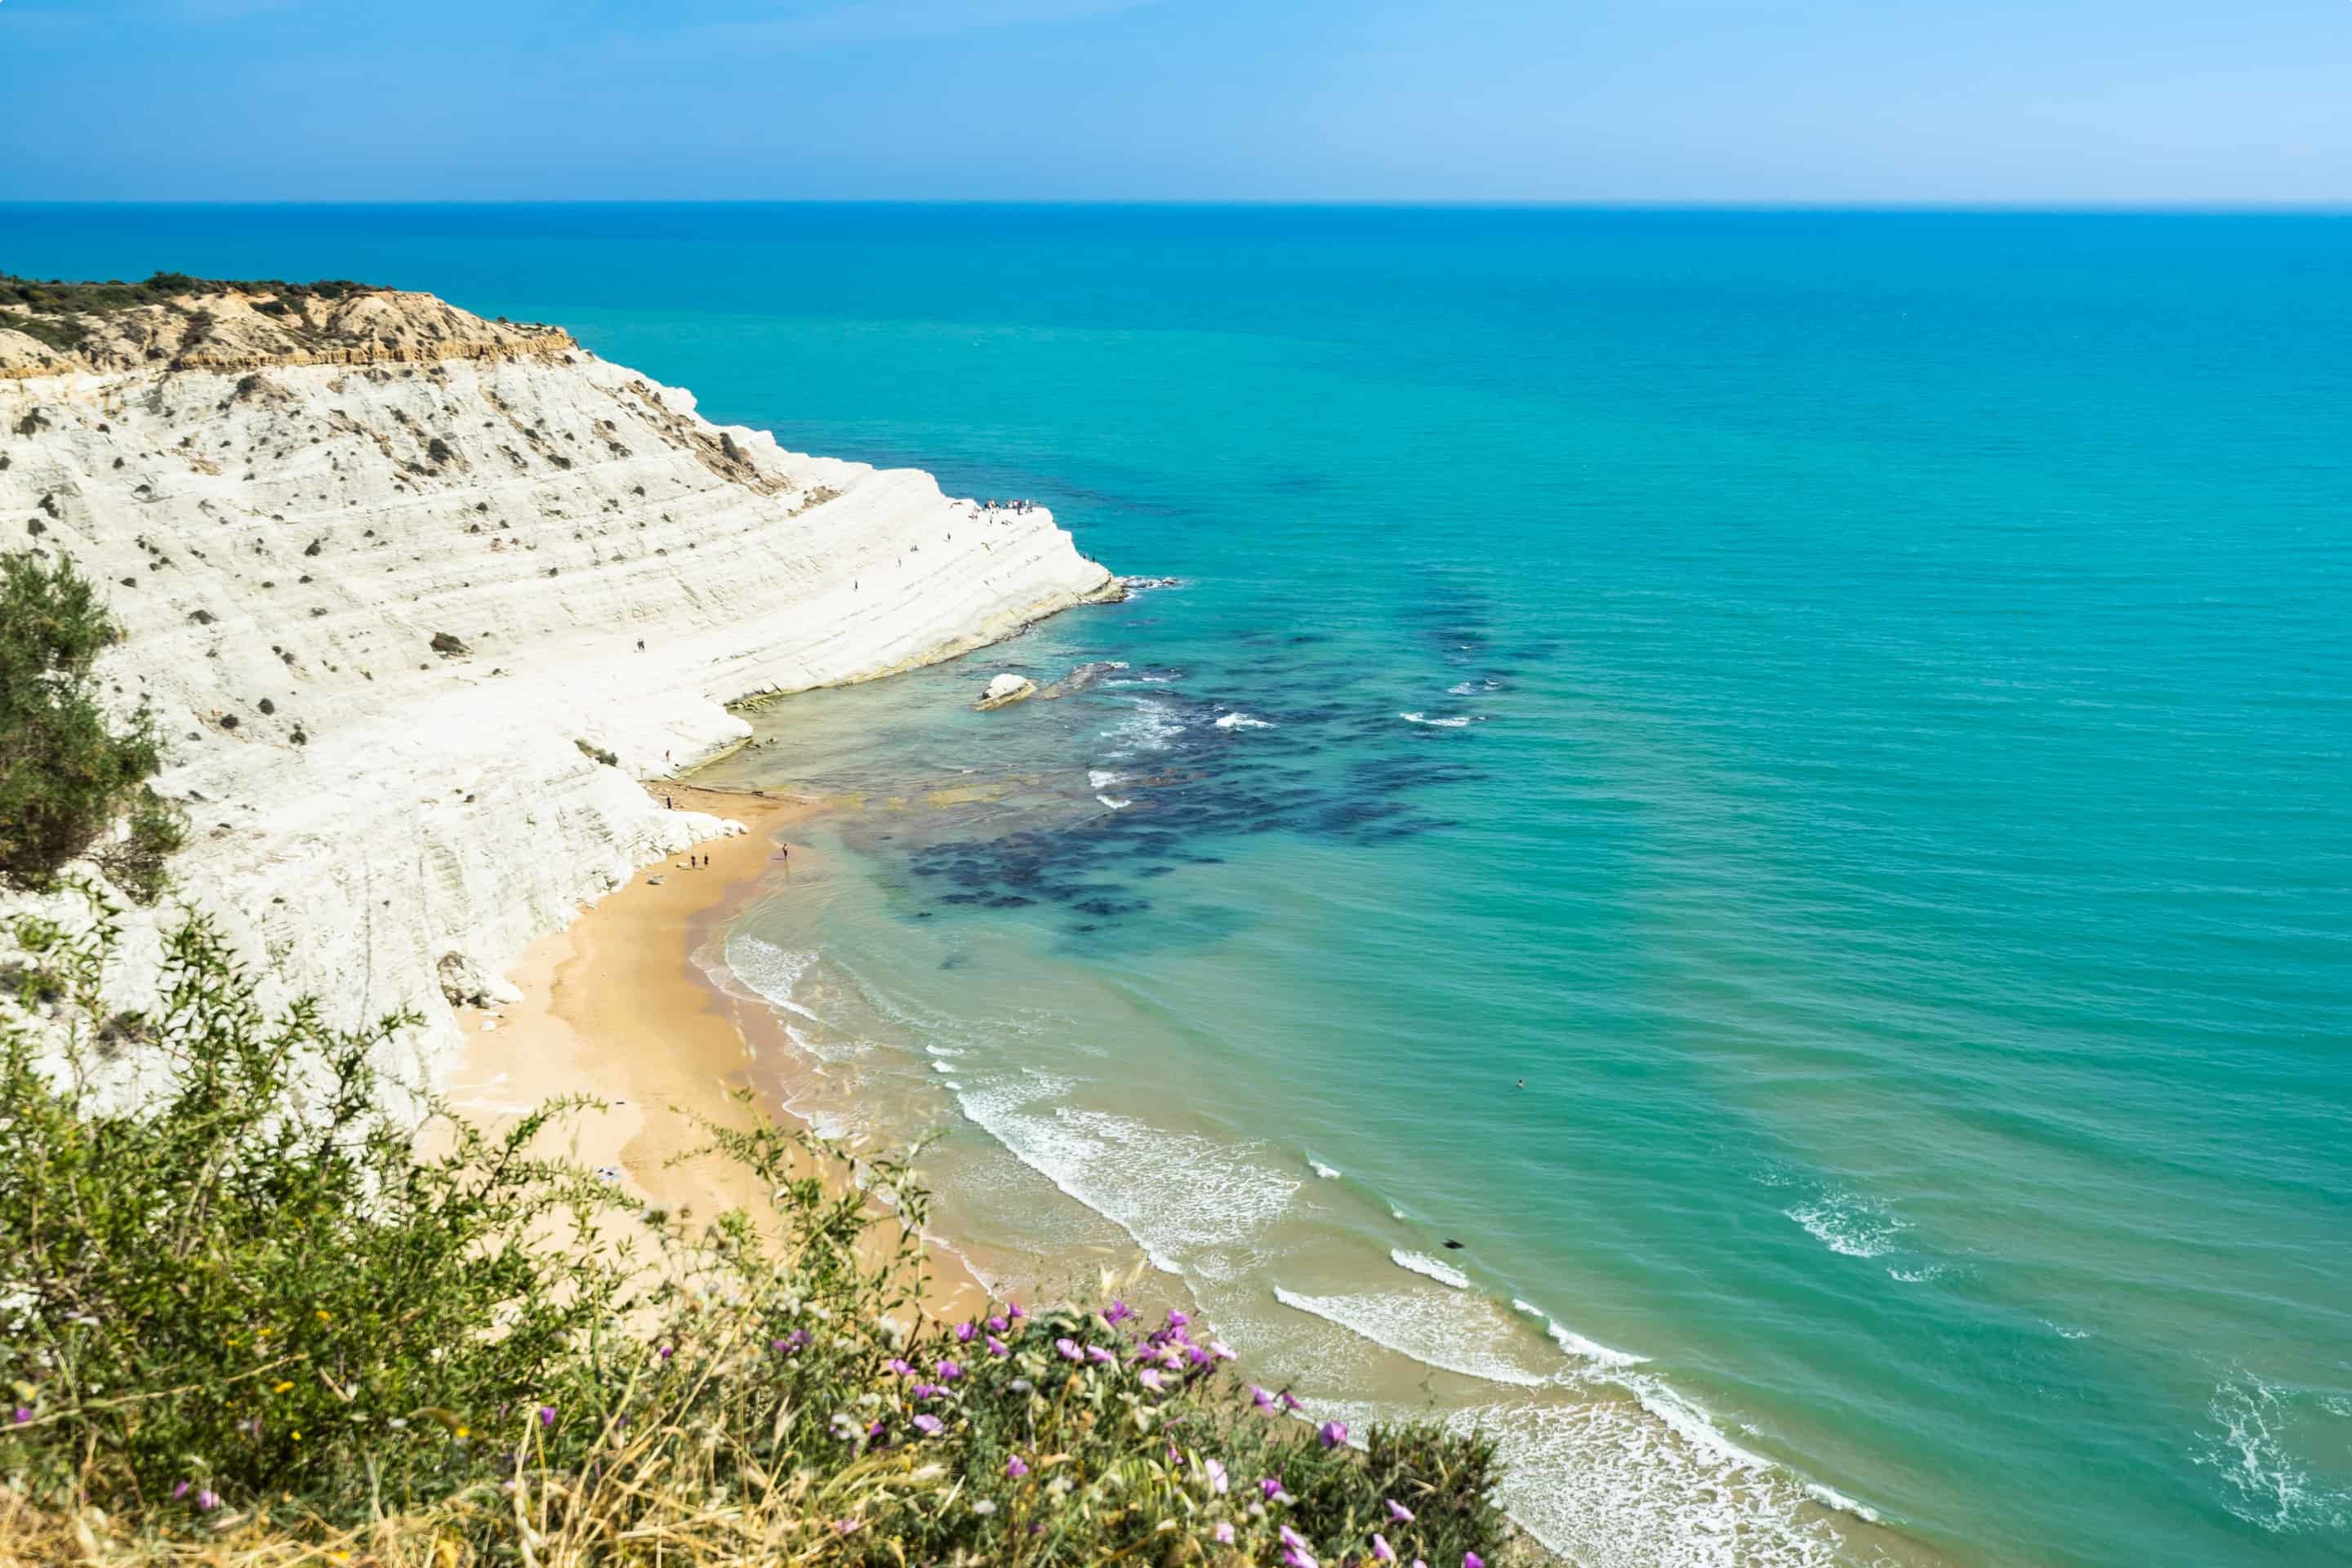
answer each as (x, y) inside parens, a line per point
(614, 1007)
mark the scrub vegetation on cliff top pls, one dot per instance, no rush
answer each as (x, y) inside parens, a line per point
(57, 312)
(72, 782)
(251, 1322)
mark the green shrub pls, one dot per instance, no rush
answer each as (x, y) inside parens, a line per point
(68, 777)
(255, 1308)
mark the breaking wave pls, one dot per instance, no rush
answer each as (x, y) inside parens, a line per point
(1430, 1267)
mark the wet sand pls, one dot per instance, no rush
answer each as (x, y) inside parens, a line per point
(614, 1007)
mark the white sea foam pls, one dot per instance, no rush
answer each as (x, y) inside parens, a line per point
(1102, 778)
(1454, 723)
(1111, 804)
(1422, 1264)
(941, 1067)
(1179, 1194)
(1918, 1275)
(1850, 1223)
(1237, 720)
(1576, 1344)
(1529, 1308)
(1690, 1423)
(1153, 726)
(1328, 1172)
(1830, 1497)
(770, 971)
(1473, 688)
(1443, 1331)
(1604, 1483)
(2262, 1480)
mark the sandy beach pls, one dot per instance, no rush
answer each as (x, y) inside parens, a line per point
(614, 1007)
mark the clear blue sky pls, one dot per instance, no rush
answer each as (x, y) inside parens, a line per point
(2029, 101)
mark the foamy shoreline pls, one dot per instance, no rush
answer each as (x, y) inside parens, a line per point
(1557, 1400)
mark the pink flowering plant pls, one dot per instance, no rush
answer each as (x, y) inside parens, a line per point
(254, 1312)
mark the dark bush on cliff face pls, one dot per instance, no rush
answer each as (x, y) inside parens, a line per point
(254, 1321)
(67, 776)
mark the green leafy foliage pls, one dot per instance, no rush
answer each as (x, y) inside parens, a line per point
(255, 1308)
(67, 776)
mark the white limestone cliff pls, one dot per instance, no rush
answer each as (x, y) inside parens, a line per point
(391, 602)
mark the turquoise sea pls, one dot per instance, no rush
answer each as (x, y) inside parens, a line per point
(1854, 709)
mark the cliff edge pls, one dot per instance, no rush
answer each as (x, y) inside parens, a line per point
(419, 596)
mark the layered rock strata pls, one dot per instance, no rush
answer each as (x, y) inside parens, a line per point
(418, 598)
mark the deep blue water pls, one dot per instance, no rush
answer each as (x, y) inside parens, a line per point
(1904, 840)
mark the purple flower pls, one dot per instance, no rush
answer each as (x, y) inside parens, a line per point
(1292, 1538)
(1399, 1512)
(1013, 1309)
(1224, 1532)
(1290, 1403)
(547, 1416)
(1333, 1434)
(207, 1500)
(1069, 1349)
(845, 1526)
(1196, 1355)
(1298, 1557)
(929, 1426)
(179, 1491)
(964, 1332)
(898, 1365)
(1381, 1549)
(1261, 1398)
(1117, 1314)
(23, 1414)
(997, 1346)
(1271, 1486)
(999, 1324)
(1221, 1350)
(926, 1390)
(1177, 1319)
(949, 1371)
(665, 1351)
(1216, 1476)
(1016, 1467)
(1150, 1378)
(1102, 1354)
(1471, 1560)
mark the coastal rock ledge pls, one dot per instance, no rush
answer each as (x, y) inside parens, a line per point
(418, 598)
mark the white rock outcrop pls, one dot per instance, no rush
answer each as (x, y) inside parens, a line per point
(1006, 687)
(391, 615)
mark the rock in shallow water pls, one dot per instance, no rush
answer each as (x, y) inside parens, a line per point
(1006, 688)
